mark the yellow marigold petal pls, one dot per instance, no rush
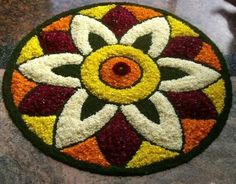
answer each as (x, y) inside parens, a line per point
(31, 50)
(216, 92)
(179, 28)
(63, 24)
(142, 13)
(148, 154)
(97, 12)
(42, 126)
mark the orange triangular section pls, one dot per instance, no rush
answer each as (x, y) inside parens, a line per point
(208, 56)
(20, 87)
(195, 131)
(87, 151)
(63, 24)
(142, 13)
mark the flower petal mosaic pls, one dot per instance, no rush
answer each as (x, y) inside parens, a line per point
(118, 89)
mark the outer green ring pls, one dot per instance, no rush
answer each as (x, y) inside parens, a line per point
(54, 153)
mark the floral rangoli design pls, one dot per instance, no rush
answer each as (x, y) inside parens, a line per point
(118, 89)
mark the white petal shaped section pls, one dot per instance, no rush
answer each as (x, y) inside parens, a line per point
(158, 27)
(199, 76)
(70, 128)
(81, 27)
(40, 69)
(168, 133)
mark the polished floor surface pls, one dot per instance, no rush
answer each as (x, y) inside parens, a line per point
(22, 163)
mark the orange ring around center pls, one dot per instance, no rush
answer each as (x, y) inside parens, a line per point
(120, 81)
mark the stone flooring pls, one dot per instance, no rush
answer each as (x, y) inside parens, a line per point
(21, 163)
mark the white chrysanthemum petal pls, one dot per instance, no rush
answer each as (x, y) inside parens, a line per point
(40, 69)
(199, 76)
(168, 133)
(158, 27)
(71, 129)
(81, 27)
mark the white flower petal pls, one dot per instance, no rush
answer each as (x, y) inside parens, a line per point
(71, 129)
(158, 27)
(81, 27)
(40, 69)
(199, 76)
(168, 133)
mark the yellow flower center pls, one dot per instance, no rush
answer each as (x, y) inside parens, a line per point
(132, 62)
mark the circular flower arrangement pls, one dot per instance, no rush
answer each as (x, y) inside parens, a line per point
(118, 89)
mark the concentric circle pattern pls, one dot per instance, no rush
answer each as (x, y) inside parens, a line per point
(120, 72)
(118, 89)
(90, 75)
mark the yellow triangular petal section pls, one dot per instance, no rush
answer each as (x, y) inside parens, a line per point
(179, 28)
(148, 154)
(42, 126)
(97, 12)
(216, 92)
(31, 50)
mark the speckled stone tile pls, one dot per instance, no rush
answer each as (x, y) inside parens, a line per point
(21, 163)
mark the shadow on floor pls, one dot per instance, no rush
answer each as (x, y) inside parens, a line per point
(230, 17)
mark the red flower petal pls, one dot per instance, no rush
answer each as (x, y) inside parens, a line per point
(119, 20)
(183, 47)
(56, 42)
(193, 105)
(118, 140)
(45, 100)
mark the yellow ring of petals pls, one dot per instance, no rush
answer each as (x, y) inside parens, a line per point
(91, 80)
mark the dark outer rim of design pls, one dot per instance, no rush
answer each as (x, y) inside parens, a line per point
(116, 171)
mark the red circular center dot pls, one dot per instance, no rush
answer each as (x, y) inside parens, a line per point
(121, 69)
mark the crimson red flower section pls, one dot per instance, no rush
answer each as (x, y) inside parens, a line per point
(119, 20)
(45, 100)
(118, 140)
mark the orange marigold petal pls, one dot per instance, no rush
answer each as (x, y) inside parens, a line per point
(114, 80)
(87, 151)
(195, 131)
(63, 24)
(20, 86)
(142, 13)
(208, 56)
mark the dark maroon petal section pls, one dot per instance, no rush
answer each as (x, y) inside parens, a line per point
(56, 42)
(121, 69)
(118, 140)
(194, 105)
(119, 20)
(45, 100)
(183, 47)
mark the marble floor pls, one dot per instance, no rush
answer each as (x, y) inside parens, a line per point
(22, 163)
